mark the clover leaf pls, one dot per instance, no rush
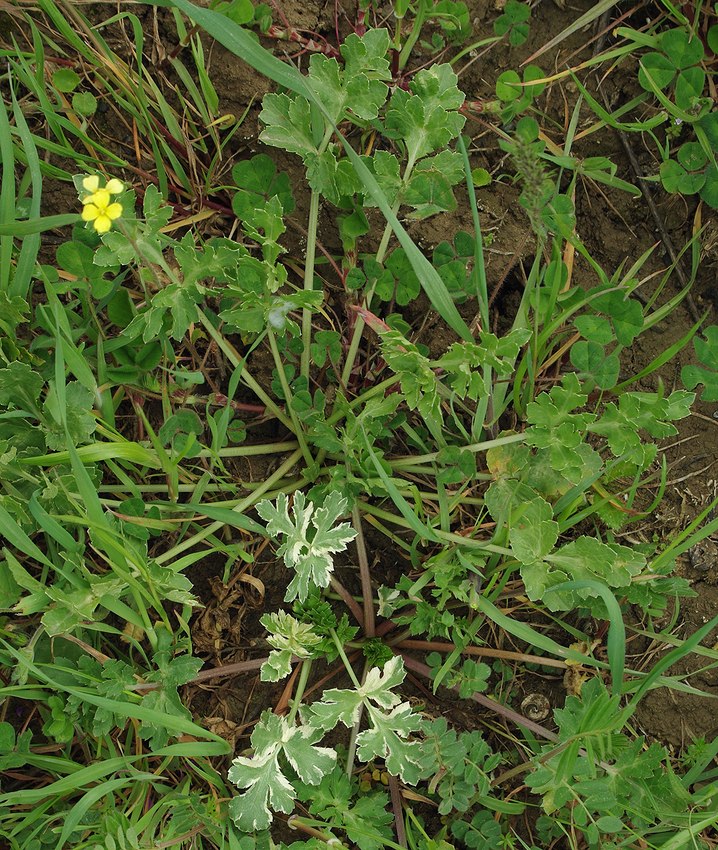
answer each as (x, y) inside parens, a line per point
(257, 181)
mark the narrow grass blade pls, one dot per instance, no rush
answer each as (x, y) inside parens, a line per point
(7, 198)
(616, 629)
(22, 281)
(171, 722)
(12, 227)
(530, 636)
(582, 21)
(668, 660)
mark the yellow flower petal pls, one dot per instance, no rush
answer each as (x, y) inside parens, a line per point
(101, 198)
(114, 211)
(89, 212)
(91, 183)
(115, 186)
(102, 224)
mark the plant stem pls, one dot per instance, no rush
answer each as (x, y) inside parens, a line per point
(301, 687)
(380, 254)
(364, 574)
(354, 734)
(340, 649)
(309, 264)
(309, 280)
(231, 354)
(297, 427)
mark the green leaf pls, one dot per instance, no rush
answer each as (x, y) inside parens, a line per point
(692, 156)
(13, 312)
(585, 560)
(533, 532)
(675, 178)
(287, 124)
(386, 170)
(480, 177)
(239, 11)
(418, 381)
(288, 637)
(20, 388)
(425, 118)
(65, 80)
(76, 258)
(655, 70)
(594, 328)
(308, 554)
(365, 819)
(257, 181)
(76, 416)
(594, 364)
(709, 192)
(242, 44)
(428, 195)
(387, 739)
(267, 788)
(689, 87)
(514, 21)
(508, 86)
(682, 47)
(706, 349)
(84, 103)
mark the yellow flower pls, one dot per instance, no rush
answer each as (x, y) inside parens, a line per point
(98, 207)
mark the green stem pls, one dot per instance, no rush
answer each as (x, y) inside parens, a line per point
(340, 649)
(255, 450)
(354, 734)
(414, 34)
(309, 280)
(297, 427)
(380, 254)
(301, 687)
(309, 263)
(238, 363)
